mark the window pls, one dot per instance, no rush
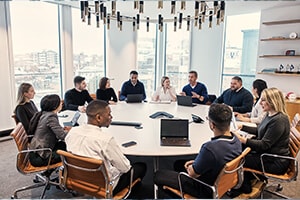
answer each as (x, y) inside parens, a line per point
(146, 48)
(177, 56)
(88, 46)
(36, 46)
(241, 45)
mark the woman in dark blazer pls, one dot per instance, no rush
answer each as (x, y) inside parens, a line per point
(105, 92)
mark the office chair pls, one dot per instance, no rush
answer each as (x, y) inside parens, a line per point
(89, 176)
(14, 116)
(295, 121)
(93, 95)
(231, 176)
(292, 172)
(211, 99)
(23, 164)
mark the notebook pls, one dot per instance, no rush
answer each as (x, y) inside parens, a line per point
(174, 132)
(134, 98)
(185, 101)
(242, 133)
(74, 120)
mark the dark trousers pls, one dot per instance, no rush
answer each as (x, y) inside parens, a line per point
(38, 161)
(139, 171)
(271, 165)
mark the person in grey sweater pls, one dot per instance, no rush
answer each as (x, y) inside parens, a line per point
(47, 132)
(272, 137)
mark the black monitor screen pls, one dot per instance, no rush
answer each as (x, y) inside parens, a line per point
(174, 128)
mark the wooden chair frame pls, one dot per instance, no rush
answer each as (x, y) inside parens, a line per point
(292, 172)
(232, 170)
(24, 166)
(79, 182)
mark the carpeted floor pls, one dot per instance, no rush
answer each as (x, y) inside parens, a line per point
(12, 179)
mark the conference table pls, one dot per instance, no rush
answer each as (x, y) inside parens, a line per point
(148, 137)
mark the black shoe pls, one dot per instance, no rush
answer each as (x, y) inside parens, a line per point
(234, 193)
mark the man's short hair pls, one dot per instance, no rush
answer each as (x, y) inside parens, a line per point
(239, 79)
(194, 72)
(220, 115)
(134, 72)
(96, 107)
(78, 79)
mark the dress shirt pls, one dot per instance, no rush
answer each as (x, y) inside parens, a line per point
(169, 95)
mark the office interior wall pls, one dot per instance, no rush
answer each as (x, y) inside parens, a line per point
(206, 55)
(8, 99)
(121, 53)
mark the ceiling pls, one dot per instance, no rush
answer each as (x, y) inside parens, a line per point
(151, 10)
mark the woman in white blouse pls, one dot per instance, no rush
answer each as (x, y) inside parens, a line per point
(165, 92)
(257, 114)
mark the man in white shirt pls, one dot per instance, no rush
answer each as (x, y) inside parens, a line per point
(91, 141)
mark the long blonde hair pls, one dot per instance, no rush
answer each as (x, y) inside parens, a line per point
(23, 88)
(275, 99)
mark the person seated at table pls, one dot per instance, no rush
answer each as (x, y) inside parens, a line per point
(237, 97)
(105, 92)
(195, 89)
(212, 157)
(91, 140)
(132, 86)
(26, 108)
(76, 98)
(257, 114)
(165, 92)
(47, 132)
(273, 135)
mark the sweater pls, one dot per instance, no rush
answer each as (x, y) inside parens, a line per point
(273, 135)
(200, 89)
(106, 95)
(74, 98)
(241, 101)
(128, 88)
(25, 112)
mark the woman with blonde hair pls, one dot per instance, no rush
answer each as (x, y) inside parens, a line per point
(272, 136)
(165, 92)
(25, 108)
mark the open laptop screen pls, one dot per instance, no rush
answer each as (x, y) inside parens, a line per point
(174, 128)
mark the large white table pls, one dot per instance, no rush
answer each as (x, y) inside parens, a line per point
(148, 138)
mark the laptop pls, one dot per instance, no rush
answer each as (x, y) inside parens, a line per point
(134, 98)
(242, 133)
(174, 132)
(73, 122)
(185, 101)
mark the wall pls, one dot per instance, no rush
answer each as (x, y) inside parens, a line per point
(8, 99)
(206, 55)
(121, 53)
(284, 83)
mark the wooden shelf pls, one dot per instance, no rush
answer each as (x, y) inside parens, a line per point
(279, 56)
(278, 39)
(292, 21)
(279, 74)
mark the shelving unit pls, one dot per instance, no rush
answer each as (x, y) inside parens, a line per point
(291, 21)
(278, 39)
(279, 56)
(278, 74)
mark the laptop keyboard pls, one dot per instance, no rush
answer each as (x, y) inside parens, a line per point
(174, 141)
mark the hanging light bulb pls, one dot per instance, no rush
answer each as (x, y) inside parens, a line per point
(82, 11)
(113, 7)
(188, 23)
(218, 17)
(159, 22)
(180, 20)
(183, 5)
(203, 14)
(173, 6)
(121, 23)
(89, 17)
(97, 21)
(200, 22)
(141, 7)
(104, 15)
(222, 8)
(86, 8)
(162, 24)
(210, 18)
(175, 23)
(101, 11)
(136, 4)
(96, 7)
(147, 24)
(133, 24)
(108, 21)
(202, 6)
(215, 7)
(137, 21)
(118, 19)
(196, 8)
(160, 4)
